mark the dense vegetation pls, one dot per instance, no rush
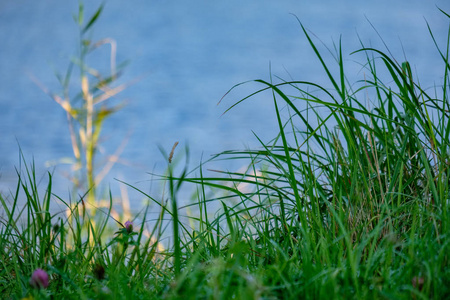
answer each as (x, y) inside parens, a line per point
(349, 201)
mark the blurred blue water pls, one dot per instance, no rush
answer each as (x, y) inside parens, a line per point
(190, 53)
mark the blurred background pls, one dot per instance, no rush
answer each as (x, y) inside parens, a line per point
(187, 54)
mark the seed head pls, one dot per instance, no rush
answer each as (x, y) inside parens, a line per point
(418, 282)
(99, 271)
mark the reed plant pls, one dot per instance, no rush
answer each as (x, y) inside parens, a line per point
(349, 201)
(89, 107)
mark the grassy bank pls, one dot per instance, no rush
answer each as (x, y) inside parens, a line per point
(349, 201)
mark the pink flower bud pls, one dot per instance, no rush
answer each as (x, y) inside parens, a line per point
(418, 282)
(39, 279)
(129, 226)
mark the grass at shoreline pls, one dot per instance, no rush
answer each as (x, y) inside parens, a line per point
(357, 210)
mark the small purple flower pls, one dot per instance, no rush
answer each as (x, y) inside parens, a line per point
(39, 279)
(129, 226)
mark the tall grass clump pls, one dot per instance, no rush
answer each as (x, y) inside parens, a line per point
(349, 201)
(66, 255)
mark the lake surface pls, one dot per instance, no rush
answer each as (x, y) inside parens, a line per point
(189, 54)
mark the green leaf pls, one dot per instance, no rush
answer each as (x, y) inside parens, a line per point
(93, 19)
(80, 14)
